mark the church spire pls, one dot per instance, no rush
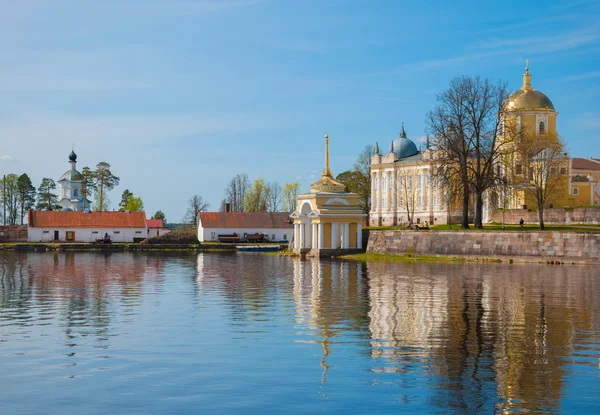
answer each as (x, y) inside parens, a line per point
(327, 183)
(526, 78)
(327, 170)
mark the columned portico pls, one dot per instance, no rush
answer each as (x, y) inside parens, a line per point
(327, 220)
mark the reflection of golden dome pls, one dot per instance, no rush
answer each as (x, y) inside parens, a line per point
(528, 98)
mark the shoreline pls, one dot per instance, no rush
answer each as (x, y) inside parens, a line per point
(133, 247)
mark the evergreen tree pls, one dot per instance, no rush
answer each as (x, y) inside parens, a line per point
(161, 216)
(47, 199)
(104, 181)
(27, 193)
(125, 199)
(87, 184)
(10, 198)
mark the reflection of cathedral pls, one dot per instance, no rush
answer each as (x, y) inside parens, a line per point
(479, 336)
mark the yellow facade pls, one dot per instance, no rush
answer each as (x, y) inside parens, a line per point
(327, 218)
(530, 113)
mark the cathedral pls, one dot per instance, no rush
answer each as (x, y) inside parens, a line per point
(403, 189)
(69, 188)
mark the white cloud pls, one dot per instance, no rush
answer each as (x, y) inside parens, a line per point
(6, 159)
(581, 76)
(39, 128)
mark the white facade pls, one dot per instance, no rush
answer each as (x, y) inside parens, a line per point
(274, 234)
(157, 231)
(69, 189)
(49, 234)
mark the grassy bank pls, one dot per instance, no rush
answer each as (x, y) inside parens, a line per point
(526, 228)
(412, 257)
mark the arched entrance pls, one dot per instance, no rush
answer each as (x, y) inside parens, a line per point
(305, 226)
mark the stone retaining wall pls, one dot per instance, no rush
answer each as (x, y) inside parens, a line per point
(559, 216)
(585, 246)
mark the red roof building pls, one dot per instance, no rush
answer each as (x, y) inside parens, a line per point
(276, 225)
(156, 227)
(46, 226)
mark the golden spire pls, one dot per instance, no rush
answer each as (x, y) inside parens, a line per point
(327, 182)
(526, 78)
(327, 171)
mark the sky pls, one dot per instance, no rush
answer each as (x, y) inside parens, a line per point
(179, 96)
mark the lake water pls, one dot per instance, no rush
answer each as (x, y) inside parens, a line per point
(245, 333)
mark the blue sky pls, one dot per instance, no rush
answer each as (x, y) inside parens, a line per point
(181, 95)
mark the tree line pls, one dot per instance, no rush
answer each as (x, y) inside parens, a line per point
(20, 195)
(244, 195)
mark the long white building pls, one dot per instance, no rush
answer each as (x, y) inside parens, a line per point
(65, 226)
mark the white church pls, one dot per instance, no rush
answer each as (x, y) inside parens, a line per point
(69, 188)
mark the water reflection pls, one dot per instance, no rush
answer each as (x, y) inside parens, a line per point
(487, 336)
(420, 337)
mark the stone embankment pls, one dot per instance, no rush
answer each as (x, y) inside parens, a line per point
(563, 246)
(590, 216)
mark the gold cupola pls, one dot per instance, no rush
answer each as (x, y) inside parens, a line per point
(528, 98)
(327, 183)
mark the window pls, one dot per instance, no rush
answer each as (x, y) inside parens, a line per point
(273, 237)
(93, 232)
(117, 232)
(45, 231)
(212, 235)
(519, 169)
(575, 191)
(75, 193)
(542, 127)
(138, 231)
(563, 170)
(285, 236)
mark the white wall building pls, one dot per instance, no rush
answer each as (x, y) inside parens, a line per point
(64, 226)
(276, 225)
(156, 227)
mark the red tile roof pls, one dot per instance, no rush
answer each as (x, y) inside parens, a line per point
(63, 219)
(155, 223)
(586, 164)
(245, 220)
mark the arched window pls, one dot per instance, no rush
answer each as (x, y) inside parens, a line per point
(542, 127)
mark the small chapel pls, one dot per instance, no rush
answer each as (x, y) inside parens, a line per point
(69, 188)
(327, 220)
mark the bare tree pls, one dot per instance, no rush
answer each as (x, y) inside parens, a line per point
(274, 200)
(290, 196)
(465, 125)
(407, 192)
(195, 205)
(236, 190)
(362, 166)
(547, 164)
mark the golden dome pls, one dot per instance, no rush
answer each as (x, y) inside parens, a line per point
(528, 98)
(520, 100)
(327, 184)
